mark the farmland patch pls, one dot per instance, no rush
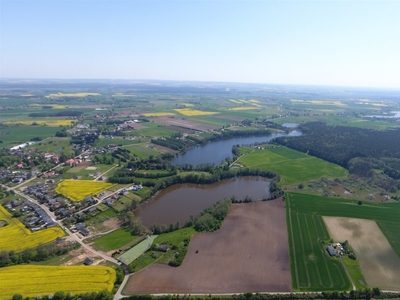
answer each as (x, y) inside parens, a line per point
(32, 281)
(248, 253)
(15, 236)
(379, 263)
(77, 190)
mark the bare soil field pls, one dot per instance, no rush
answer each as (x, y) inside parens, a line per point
(379, 263)
(249, 252)
(183, 123)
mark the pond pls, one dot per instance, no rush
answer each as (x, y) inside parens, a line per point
(178, 202)
(217, 151)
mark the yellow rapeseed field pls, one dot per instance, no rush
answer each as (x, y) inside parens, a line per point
(188, 104)
(32, 281)
(193, 112)
(158, 114)
(15, 236)
(235, 101)
(58, 95)
(243, 108)
(55, 106)
(43, 122)
(77, 190)
(254, 101)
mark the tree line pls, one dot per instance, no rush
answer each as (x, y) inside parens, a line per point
(360, 150)
(40, 253)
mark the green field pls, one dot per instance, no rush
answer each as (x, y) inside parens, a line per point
(12, 136)
(133, 253)
(293, 166)
(312, 269)
(114, 240)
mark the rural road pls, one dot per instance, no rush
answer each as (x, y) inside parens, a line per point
(58, 222)
(118, 294)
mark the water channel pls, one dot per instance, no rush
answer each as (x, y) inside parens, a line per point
(178, 202)
(218, 151)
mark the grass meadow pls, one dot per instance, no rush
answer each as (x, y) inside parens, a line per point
(114, 240)
(293, 166)
(11, 136)
(312, 269)
(32, 281)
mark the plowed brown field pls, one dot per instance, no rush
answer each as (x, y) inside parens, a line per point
(248, 253)
(379, 263)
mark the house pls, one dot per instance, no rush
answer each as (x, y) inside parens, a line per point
(64, 212)
(331, 250)
(84, 232)
(88, 261)
(163, 248)
(80, 226)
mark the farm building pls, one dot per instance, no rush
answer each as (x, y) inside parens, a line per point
(331, 250)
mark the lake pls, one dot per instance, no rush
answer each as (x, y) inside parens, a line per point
(217, 151)
(179, 201)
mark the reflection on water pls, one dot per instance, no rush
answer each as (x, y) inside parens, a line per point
(216, 152)
(178, 202)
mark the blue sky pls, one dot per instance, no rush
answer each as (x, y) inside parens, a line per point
(349, 43)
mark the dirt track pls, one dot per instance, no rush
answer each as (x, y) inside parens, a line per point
(249, 253)
(379, 263)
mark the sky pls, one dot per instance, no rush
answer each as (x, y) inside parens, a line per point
(342, 43)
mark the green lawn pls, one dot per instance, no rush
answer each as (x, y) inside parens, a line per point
(293, 166)
(114, 240)
(133, 253)
(306, 231)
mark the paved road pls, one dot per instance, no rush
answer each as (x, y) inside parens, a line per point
(58, 222)
(118, 294)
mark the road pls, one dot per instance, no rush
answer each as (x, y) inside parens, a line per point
(58, 222)
(118, 294)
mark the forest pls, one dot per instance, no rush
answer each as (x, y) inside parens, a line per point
(364, 152)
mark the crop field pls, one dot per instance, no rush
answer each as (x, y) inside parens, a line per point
(15, 236)
(48, 122)
(244, 107)
(32, 281)
(11, 136)
(158, 114)
(293, 166)
(59, 95)
(133, 253)
(53, 105)
(194, 112)
(248, 253)
(379, 263)
(114, 240)
(77, 190)
(153, 132)
(307, 230)
(312, 268)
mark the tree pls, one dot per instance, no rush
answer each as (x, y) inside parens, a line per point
(17, 297)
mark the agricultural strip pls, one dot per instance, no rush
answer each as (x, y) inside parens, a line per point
(16, 237)
(293, 166)
(130, 255)
(248, 253)
(77, 190)
(312, 268)
(32, 281)
(301, 206)
(379, 263)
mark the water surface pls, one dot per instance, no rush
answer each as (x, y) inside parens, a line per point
(217, 151)
(179, 201)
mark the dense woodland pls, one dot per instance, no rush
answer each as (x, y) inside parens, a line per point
(364, 152)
